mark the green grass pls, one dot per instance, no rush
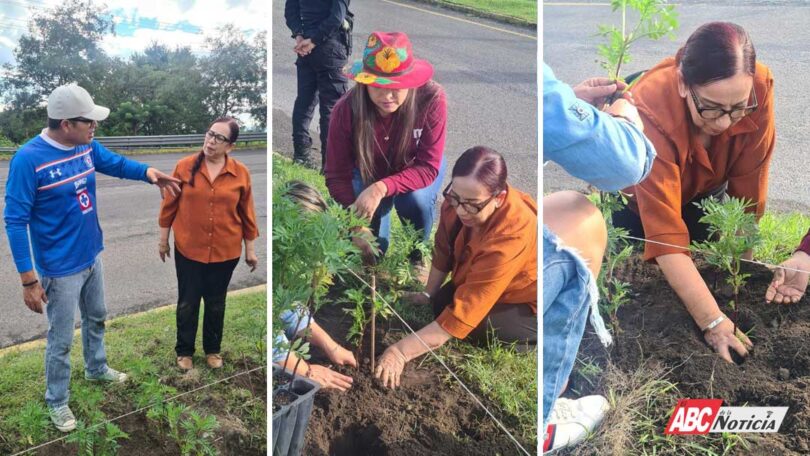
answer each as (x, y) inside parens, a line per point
(506, 378)
(164, 150)
(781, 234)
(524, 10)
(143, 346)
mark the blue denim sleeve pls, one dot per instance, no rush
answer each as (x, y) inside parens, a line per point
(589, 144)
(21, 192)
(112, 164)
(294, 322)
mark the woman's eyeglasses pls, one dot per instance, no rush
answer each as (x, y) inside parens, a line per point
(716, 113)
(469, 207)
(218, 138)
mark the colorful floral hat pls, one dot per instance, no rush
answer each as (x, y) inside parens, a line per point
(388, 63)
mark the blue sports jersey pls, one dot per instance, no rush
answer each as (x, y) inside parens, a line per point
(51, 191)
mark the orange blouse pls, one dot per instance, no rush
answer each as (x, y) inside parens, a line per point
(496, 264)
(685, 169)
(210, 219)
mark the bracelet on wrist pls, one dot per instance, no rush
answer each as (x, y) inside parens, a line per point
(30, 284)
(426, 295)
(714, 323)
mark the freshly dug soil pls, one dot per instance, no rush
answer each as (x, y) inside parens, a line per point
(656, 326)
(429, 414)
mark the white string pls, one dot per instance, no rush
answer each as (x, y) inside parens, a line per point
(481, 404)
(142, 409)
(761, 263)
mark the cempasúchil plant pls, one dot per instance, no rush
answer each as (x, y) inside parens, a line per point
(732, 232)
(310, 249)
(655, 19)
(613, 292)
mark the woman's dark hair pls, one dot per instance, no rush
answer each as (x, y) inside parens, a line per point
(715, 51)
(306, 196)
(234, 128)
(485, 165)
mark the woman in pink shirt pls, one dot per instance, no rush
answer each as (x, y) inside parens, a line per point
(386, 138)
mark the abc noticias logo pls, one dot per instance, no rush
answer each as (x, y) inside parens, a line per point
(702, 416)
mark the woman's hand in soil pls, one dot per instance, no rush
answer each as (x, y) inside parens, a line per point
(722, 339)
(390, 366)
(341, 356)
(417, 298)
(328, 378)
(788, 285)
(369, 199)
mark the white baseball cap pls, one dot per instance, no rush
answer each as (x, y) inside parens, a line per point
(69, 101)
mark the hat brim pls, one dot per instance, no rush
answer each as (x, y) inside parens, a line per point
(420, 73)
(98, 113)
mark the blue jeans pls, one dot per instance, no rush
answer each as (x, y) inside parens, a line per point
(84, 290)
(569, 292)
(417, 207)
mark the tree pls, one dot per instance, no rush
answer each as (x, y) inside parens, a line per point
(235, 72)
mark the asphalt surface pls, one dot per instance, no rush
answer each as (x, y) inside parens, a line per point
(780, 35)
(135, 278)
(489, 76)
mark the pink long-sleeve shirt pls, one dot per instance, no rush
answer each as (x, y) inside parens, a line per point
(425, 157)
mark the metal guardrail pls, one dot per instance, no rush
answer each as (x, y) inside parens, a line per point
(136, 142)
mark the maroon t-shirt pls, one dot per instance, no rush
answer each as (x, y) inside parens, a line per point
(424, 158)
(805, 244)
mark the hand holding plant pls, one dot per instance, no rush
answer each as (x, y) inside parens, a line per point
(369, 199)
(597, 91)
(788, 285)
(724, 337)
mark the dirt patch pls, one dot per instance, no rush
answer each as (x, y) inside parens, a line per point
(428, 415)
(656, 328)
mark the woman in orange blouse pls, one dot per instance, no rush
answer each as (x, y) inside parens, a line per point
(211, 217)
(487, 238)
(709, 112)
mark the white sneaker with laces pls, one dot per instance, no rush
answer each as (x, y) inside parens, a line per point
(571, 421)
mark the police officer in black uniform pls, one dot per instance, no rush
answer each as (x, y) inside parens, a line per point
(322, 31)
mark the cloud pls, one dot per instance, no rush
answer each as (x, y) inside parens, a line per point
(174, 23)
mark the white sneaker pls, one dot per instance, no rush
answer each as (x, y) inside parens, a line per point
(571, 421)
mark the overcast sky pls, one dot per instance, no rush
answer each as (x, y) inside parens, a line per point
(170, 22)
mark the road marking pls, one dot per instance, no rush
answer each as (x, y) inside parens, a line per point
(524, 35)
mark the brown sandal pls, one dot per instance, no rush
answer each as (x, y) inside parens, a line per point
(214, 360)
(185, 363)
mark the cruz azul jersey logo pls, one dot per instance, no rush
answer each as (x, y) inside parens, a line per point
(702, 416)
(85, 203)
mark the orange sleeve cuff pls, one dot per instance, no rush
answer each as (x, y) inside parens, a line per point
(653, 250)
(450, 323)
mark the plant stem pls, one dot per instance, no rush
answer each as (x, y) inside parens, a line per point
(373, 318)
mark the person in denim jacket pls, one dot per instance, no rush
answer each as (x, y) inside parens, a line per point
(608, 150)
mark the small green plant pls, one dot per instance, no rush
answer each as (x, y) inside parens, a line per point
(31, 421)
(153, 394)
(732, 232)
(108, 445)
(656, 19)
(174, 415)
(83, 436)
(613, 292)
(198, 432)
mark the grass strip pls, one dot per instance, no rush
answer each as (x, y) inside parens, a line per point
(141, 345)
(517, 12)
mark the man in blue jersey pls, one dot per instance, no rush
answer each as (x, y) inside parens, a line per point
(51, 193)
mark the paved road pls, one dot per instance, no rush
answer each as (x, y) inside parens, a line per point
(489, 75)
(135, 279)
(780, 34)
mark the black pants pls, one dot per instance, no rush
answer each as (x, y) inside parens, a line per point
(690, 213)
(510, 323)
(195, 281)
(320, 81)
